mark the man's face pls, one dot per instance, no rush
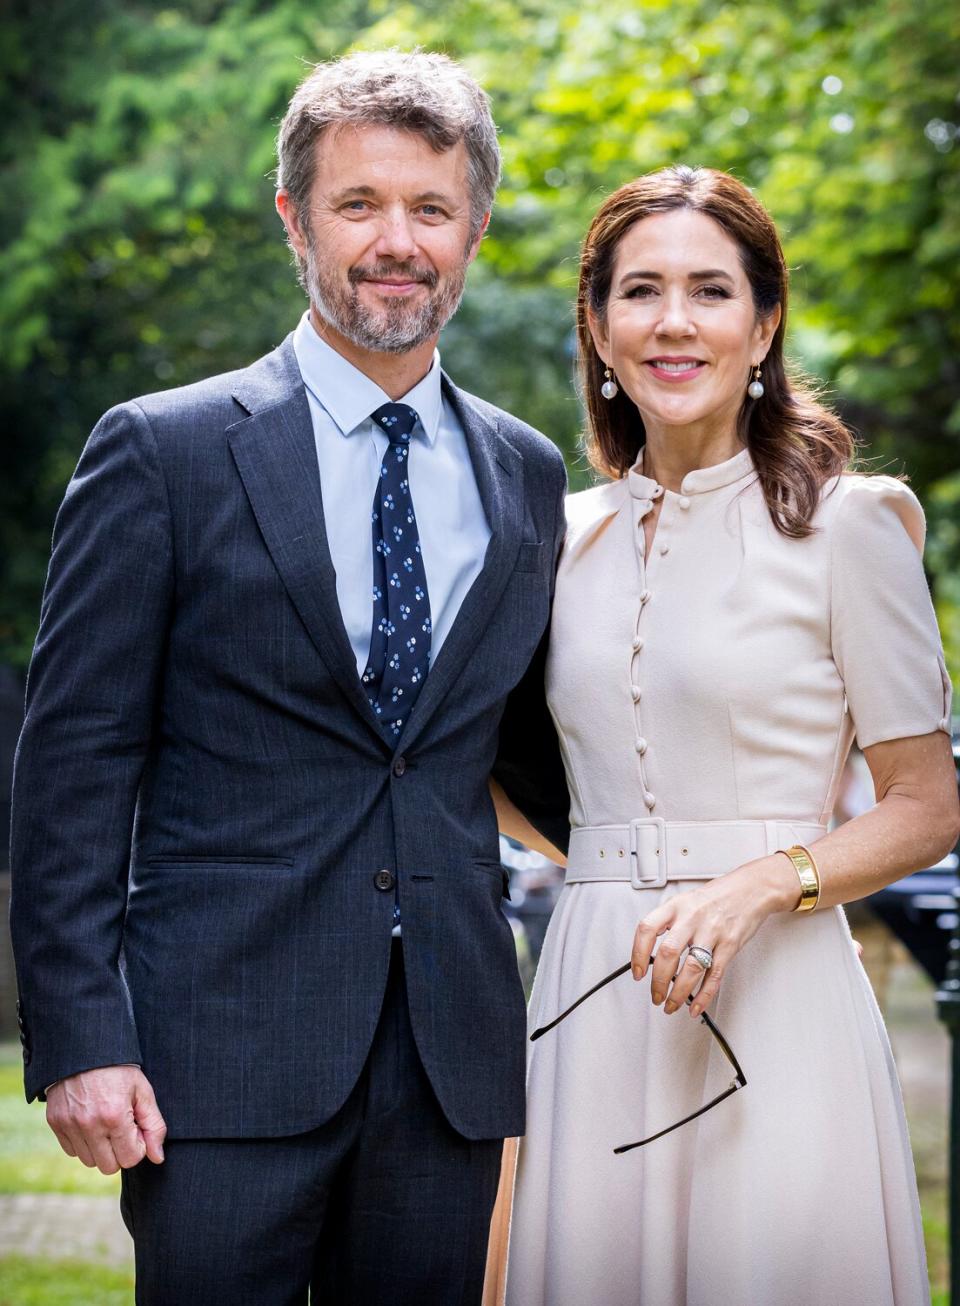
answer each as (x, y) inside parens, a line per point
(387, 239)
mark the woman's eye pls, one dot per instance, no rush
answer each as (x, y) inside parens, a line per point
(641, 292)
(713, 292)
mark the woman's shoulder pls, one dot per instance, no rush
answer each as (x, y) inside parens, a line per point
(856, 504)
(586, 510)
(587, 506)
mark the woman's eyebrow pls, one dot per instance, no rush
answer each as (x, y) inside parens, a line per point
(707, 274)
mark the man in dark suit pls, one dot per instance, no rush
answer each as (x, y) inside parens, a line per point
(289, 630)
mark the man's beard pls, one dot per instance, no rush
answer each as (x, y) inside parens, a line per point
(393, 326)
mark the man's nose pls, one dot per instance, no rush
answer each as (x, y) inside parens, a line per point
(396, 237)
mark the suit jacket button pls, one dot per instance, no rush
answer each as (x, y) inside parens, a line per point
(383, 880)
(399, 766)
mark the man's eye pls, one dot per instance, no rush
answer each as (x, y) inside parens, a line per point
(355, 206)
(431, 211)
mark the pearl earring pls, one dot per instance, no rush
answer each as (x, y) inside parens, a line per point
(755, 389)
(609, 389)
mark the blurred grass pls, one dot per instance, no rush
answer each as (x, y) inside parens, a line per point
(29, 1281)
(935, 1235)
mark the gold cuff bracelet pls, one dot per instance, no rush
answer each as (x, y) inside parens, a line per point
(808, 874)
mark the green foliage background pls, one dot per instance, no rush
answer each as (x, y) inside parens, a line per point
(141, 250)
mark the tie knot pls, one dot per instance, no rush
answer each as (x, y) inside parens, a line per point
(397, 420)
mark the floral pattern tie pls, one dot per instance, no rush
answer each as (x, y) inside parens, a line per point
(400, 639)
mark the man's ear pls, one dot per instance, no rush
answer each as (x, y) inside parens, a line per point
(288, 212)
(475, 245)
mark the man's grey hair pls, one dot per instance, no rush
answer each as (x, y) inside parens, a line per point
(417, 92)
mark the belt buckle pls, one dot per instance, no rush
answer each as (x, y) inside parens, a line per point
(648, 848)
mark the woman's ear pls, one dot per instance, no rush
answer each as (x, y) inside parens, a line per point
(766, 330)
(601, 340)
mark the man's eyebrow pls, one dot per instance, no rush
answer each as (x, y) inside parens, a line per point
(350, 192)
(367, 192)
(707, 274)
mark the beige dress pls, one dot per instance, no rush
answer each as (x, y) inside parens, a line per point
(722, 680)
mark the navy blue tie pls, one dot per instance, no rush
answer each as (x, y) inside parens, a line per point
(400, 639)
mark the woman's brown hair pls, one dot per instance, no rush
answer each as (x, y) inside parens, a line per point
(796, 443)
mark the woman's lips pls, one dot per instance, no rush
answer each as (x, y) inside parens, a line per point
(675, 369)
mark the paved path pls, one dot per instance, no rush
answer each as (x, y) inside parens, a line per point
(64, 1226)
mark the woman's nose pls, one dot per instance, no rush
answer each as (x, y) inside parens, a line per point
(675, 319)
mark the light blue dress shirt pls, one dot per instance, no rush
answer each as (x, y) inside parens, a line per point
(453, 528)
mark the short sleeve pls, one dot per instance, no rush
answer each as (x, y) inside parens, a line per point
(883, 629)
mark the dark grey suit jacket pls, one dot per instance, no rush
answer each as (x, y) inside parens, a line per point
(203, 798)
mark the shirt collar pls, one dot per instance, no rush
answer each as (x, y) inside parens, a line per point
(699, 481)
(348, 395)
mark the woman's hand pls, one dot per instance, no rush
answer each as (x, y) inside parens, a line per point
(916, 822)
(721, 915)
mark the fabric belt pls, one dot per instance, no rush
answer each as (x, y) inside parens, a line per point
(649, 852)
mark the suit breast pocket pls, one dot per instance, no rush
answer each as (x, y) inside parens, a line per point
(530, 556)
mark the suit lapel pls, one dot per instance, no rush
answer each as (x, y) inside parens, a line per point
(275, 454)
(499, 472)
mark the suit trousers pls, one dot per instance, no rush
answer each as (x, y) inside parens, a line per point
(384, 1205)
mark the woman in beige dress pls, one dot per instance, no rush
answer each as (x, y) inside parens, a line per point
(732, 608)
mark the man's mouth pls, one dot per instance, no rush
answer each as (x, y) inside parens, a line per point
(394, 283)
(392, 287)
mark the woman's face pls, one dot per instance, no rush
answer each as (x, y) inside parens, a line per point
(680, 330)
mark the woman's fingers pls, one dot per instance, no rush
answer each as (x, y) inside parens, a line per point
(720, 915)
(689, 976)
(711, 984)
(645, 939)
(666, 964)
(695, 918)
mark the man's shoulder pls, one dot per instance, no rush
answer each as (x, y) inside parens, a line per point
(227, 396)
(208, 391)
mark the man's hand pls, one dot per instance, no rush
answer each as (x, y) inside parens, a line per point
(107, 1117)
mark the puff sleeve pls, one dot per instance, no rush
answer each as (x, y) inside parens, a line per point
(884, 633)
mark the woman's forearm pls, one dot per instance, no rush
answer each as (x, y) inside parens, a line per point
(914, 824)
(512, 822)
(873, 850)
